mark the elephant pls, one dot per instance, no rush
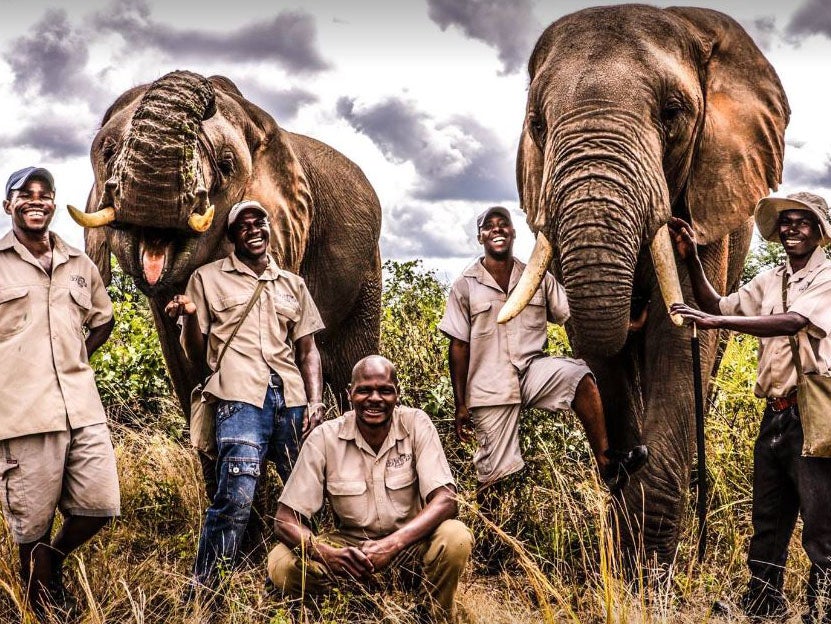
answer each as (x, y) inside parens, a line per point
(169, 161)
(635, 114)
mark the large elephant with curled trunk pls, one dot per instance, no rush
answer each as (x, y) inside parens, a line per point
(170, 160)
(635, 114)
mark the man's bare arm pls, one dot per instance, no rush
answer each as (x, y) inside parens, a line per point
(98, 336)
(458, 357)
(307, 358)
(786, 324)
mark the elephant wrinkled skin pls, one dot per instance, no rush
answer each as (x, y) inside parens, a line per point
(170, 160)
(635, 114)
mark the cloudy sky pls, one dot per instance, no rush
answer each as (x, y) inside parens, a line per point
(427, 96)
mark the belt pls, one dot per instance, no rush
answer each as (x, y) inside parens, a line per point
(780, 404)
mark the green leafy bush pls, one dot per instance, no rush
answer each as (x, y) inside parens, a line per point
(130, 370)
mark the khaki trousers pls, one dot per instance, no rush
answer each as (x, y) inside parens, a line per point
(437, 562)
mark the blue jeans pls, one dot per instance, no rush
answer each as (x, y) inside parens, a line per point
(246, 435)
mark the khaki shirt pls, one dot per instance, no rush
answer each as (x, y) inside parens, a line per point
(283, 314)
(499, 354)
(372, 495)
(45, 377)
(809, 294)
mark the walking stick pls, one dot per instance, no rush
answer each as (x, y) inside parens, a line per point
(701, 504)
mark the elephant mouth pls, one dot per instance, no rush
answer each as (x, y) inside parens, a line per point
(155, 257)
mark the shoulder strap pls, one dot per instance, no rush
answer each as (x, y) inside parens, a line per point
(254, 297)
(794, 340)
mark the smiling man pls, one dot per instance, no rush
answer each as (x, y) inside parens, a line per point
(496, 370)
(269, 384)
(382, 468)
(55, 448)
(785, 484)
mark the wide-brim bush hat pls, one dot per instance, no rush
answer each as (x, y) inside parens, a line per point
(768, 209)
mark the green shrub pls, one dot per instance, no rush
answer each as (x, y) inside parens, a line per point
(129, 368)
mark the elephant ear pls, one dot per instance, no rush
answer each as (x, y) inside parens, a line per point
(529, 165)
(740, 147)
(278, 180)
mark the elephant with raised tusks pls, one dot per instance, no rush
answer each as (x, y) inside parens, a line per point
(635, 114)
(170, 160)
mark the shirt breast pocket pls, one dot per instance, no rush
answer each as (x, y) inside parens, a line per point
(289, 311)
(15, 310)
(403, 492)
(349, 502)
(534, 314)
(481, 323)
(228, 309)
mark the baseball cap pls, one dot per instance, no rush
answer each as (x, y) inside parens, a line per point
(246, 204)
(18, 179)
(483, 216)
(768, 209)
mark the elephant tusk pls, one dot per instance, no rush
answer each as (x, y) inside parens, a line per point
(664, 261)
(530, 280)
(201, 222)
(96, 219)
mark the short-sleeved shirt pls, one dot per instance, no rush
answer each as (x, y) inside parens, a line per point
(45, 377)
(499, 354)
(809, 294)
(284, 313)
(372, 494)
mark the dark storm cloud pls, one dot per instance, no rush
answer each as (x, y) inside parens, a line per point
(799, 174)
(289, 38)
(412, 231)
(456, 159)
(812, 18)
(283, 104)
(51, 62)
(55, 139)
(508, 26)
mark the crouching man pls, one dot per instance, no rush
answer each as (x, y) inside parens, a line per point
(385, 474)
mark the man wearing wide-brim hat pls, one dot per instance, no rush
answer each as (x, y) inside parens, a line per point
(785, 483)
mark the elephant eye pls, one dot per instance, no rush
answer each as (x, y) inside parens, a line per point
(226, 163)
(536, 127)
(671, 112)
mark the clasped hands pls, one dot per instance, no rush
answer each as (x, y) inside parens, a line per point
(359, 562)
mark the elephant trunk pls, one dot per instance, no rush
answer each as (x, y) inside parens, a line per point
(605, 198)
(158, 172)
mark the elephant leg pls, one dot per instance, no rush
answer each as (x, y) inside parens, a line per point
(657, 495)
(356, 338)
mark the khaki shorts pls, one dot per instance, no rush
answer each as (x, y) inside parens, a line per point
(549, 383)
(71, 470)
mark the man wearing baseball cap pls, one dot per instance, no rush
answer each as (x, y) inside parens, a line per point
(268, 388)
(55, 448)
(496, 370)
(785, 484)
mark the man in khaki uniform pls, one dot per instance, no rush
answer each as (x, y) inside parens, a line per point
(785, 484)
(384, 472)
(269, 384)
(55, 448)
(498, 369)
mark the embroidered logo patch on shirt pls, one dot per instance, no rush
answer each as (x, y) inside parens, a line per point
(78, 279)
(397, 462)
(286, 298)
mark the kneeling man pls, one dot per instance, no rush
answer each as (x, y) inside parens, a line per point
(384, 471)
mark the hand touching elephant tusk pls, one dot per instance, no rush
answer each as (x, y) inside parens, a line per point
(529, 281)
(96, 219)
(666, 271)
(201, 222)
